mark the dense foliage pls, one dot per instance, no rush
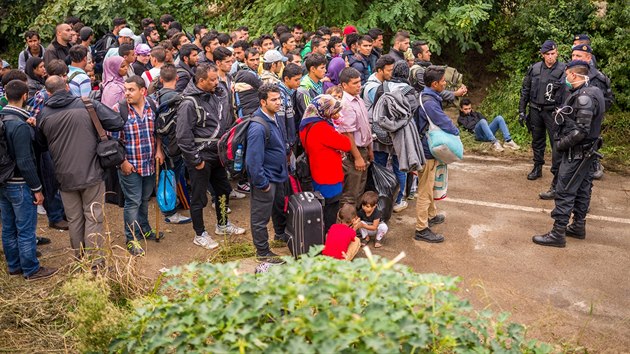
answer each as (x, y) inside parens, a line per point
(509, 31)
(316, 305)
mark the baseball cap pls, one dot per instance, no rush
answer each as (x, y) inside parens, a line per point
(272, 56)
(126, 32)
(349, 29)
(142, 49)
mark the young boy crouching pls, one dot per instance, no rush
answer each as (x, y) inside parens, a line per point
(341, 240)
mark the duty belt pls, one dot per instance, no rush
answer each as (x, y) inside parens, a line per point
(541, 108)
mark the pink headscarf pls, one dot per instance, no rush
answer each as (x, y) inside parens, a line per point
(113, 83)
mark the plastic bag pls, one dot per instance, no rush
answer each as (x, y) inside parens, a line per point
(440, 186)
(166, 192)
(385, 184)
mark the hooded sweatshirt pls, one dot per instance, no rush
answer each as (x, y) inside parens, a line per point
(35, 83)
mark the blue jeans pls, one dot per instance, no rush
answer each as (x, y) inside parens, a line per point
(137, 190)
(52, 198)
(19, 220)
(485, 131)
(381, 159)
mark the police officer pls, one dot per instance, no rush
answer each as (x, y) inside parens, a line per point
(542, 91)
(581, 39)
(596, 78)
(580, 121)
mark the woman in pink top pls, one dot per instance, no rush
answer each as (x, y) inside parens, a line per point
(114, 70)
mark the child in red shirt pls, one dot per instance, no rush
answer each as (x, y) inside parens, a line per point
(342, 241)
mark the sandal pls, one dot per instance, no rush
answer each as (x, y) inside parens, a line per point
(365, 241)
(377, 244)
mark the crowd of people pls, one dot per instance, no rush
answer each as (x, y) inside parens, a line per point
(168, 96)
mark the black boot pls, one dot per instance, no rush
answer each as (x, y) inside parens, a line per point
(548, 195)
(577, 229)
(536, 173)
(554, 238)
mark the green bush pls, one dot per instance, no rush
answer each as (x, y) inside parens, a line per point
(316, 305)
(95, 319)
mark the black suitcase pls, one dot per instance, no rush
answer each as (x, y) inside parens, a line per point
(305, 222)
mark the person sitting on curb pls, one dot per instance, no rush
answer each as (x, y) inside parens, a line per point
(477, 124)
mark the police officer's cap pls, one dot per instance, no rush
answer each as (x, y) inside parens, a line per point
(582, 48)
(575, 63)
(547, 46)
(581, 37)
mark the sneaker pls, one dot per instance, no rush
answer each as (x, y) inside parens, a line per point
(205, 241)
(41, 210)
(229, 229)
(497, 146)
(411, 196)
(427, 235)
(237, 195)
(135, 249)
(268, 257)
(400, 206)
(152, 237)
(177, 218)
(16, 272)
(42, 273)
(511, 144)
(59, 225)
(42, 240)
(283, 238)
(438, 219)
(228, 209)
(244, 187)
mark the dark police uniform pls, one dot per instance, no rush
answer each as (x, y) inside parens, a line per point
(579, 131)
(542, 91)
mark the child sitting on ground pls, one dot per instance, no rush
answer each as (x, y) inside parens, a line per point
(370, 216)
(342, 241)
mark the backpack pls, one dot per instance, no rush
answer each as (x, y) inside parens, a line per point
(453, 78)
(124, 110)
(100, 50)
(154, 83)
(235, 136)
(167, 122)
(7, 165)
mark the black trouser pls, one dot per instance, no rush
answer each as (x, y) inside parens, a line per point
(575, 199)
(263, 206)
(330, 210)
(543, 124)
(215, 174)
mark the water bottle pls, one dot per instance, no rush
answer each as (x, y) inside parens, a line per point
(238, 159)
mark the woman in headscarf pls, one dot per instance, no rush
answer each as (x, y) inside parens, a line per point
(324, 147)
(334, 68)
(114, 70)
(36, 73)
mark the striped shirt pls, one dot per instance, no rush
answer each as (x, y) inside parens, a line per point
(80, 85)
(139, 136)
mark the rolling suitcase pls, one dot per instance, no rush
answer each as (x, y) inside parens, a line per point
(305, 222)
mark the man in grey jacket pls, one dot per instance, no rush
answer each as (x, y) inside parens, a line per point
(66, 129)
(202, 118)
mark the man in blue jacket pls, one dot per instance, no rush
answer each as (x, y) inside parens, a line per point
(427, 215)
(266, 164)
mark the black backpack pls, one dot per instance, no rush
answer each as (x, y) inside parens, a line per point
(100, 50)
(167, 121)
(7, 165)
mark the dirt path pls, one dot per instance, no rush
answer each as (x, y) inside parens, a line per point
(579, 295)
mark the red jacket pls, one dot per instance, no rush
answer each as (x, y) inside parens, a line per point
(323, 148)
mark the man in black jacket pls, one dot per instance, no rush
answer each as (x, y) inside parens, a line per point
(202, 118)
(66, 129)
(59, 48)
(477, 124)
(20, 187)
(186, 67)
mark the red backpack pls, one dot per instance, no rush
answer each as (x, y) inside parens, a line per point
(235, 136)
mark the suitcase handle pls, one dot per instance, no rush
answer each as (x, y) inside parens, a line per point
(309, 195)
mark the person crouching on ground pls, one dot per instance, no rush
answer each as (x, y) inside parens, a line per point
(370, 216)
(477, 124)
(342, 241)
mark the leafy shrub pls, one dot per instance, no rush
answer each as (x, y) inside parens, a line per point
(96, 320)
(316, 305)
